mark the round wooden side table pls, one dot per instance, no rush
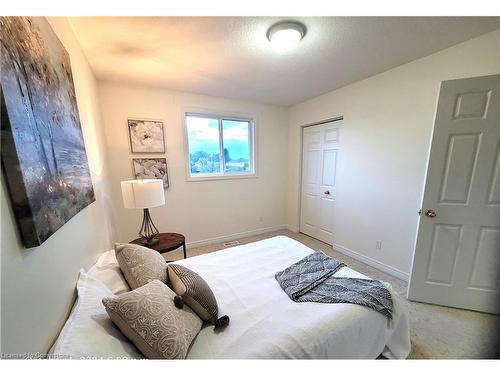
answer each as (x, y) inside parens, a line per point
(167, 242)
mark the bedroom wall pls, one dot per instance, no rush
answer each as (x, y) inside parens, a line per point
(204, 211)
(385, 140)
(38, 284)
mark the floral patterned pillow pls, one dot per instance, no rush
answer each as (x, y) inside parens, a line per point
(149, 318)
(140, 264)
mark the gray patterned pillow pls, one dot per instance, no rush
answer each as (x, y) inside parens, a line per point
(148, 317)
(140, 264)
(195, 292)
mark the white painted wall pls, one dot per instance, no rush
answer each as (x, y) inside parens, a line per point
(38, 284)
(385, 140)
(203, 210)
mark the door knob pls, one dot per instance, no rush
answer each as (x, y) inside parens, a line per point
(430, 213)
(327, 192)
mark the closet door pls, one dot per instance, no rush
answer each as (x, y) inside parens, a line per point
(320, 149)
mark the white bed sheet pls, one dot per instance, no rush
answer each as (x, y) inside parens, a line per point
(265, 323)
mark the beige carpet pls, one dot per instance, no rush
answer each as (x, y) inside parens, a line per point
(436, 331)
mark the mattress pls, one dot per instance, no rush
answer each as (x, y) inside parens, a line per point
(265, 323)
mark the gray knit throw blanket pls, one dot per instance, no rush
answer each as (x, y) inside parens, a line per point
(311, 280)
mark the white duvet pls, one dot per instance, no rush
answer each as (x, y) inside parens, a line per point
(265, 323)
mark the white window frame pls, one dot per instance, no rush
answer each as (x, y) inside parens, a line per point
(220, 116)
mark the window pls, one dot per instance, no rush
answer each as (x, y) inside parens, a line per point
(219, 146)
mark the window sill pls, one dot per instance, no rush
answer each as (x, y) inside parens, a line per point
(221, 177)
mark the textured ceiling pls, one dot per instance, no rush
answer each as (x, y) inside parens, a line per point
(231, 57)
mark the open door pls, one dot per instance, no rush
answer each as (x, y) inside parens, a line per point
(457, 253)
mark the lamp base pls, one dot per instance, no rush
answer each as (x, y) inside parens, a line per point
(150, 242)
(148, 230)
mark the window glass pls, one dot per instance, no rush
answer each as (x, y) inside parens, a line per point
(219, 146)
(204, 146)
(237, 146)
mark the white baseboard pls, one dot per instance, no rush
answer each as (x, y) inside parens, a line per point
(292, 228)
(372, 262)
(235, 236)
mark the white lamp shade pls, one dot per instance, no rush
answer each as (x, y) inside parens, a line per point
(143, 193)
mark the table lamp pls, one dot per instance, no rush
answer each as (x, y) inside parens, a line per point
(144, 194)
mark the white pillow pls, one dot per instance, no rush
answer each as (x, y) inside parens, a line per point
(89, 332)
(107, 271)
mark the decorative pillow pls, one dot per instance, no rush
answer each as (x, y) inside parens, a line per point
(89, 332)
(195, 292)
(148, 317)
(140, 264)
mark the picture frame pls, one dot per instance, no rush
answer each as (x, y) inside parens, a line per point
(44, 160)
(151, 168)
(146, 136)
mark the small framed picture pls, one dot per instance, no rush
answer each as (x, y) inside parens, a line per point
(146, 136)
(151, 168)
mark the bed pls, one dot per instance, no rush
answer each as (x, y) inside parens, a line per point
(265, 323)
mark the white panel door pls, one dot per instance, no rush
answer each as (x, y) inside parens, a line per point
(457, 254)
(320, 149)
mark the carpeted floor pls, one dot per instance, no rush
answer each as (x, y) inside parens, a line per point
(436, 331)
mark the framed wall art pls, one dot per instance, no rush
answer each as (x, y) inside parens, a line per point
(42, 149)
(146, 136)
(151, 168)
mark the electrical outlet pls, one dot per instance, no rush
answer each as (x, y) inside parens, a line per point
(378, 245)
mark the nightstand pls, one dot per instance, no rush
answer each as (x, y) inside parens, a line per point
(167, 242)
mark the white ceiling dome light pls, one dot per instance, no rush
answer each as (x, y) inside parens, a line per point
(286, 35)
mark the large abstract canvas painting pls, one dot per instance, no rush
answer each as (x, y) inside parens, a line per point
(43, 153)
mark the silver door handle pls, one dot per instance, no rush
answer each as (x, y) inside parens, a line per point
(430, 213)
(327, 192)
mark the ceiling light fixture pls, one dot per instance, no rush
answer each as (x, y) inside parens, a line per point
(286, 35)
